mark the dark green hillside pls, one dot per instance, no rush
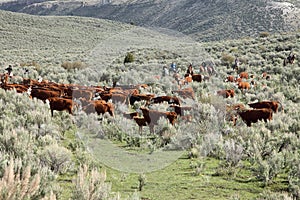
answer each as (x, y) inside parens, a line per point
(78, 156)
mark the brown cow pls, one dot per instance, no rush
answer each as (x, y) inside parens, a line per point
(185, 93)
(266, 104)
(229, 79)
(43, 94)
(18, 87)
(244, 85)
(100, 107)
(60, 104)
(244, 75)
(152, 117)
(169, 99)
(226, 93)
(140, 97)
(252, 116)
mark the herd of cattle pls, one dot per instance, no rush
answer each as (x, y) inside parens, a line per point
(102, 99)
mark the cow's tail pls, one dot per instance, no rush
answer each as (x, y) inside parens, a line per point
(282, 109)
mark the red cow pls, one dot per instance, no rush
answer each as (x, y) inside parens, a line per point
(60, 104)
(252, 116)
(266, 104)
(43, 94)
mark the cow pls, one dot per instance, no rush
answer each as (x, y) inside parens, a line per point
(152, 117)
(198, 77)
(18, 87)
(43, 94)
(140, 97)
(244, 85)
(169, 99)
(230, 79)
(252, 116)
(185, 93)
(99, 107)
(266, 104)
(60, 104)
(226, 93)
(244, 75)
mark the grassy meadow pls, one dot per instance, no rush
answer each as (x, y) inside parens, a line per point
(68, 157)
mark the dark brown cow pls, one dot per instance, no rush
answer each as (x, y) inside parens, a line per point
(197, 77)
(140, 97)
(169, 99)
(152, 117)
(266, 104)
(185, 93)
(252, 116)
(226, 93)
(60, 104)
(99, 107)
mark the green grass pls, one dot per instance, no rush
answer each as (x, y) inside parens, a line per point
(178, 181)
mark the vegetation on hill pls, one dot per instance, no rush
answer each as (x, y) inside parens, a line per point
(203, 20)
(62, 156)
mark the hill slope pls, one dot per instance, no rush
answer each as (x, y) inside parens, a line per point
(204, 20)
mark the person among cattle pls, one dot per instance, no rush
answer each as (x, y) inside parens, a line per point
(189, 71)
(165, 71)
(236, 63)
(9, 70)
(173, 67)
(291, 57)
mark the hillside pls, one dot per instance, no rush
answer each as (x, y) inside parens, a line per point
(203, 20)
(78, 155)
